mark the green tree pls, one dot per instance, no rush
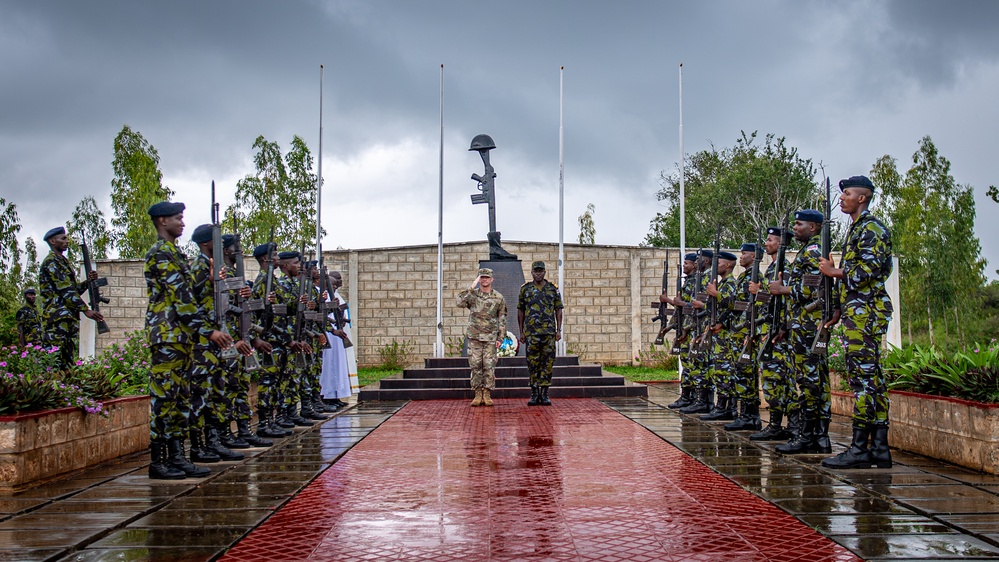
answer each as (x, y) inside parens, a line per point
(30, 277)
(10, 271)
(587, 229)
(137, 184)
(280, 195)
(744, 189)
(88, 221)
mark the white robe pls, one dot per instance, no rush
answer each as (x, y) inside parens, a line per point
(334, 380)
(355, 384)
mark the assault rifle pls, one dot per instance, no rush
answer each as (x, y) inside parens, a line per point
(322, 314)
(268, 310)
(339, 320)
(677, 321)
(749, 348)
(300, 309)
(244, 318)
(698, 295)
(662, 315)
(220, 286)
(820, 346)
(707, 336)
(777, 306)
(94, 287)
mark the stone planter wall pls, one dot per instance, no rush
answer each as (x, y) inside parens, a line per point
(959, 431)
(36, 447)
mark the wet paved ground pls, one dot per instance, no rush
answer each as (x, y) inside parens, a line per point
(572, 479)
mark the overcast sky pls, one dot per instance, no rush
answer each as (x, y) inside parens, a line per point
(845, 82)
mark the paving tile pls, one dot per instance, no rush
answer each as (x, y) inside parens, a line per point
(980, 522)
(170, 537)
(65, 520)
(877, 524)
(919, 547)
(31, 538)
(146, 554)
(245, 518)
(28, 554)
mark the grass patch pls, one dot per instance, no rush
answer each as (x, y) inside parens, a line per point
(639, 373)
(366, 376)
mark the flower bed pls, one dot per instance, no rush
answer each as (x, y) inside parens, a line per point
(35, 447)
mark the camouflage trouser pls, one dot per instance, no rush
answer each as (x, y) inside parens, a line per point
(294, 380)
(237, 390)
(170, 390)
(208, 399)
(746, 385)
(778, 383)
(540, 358)
(683, 353)
(317, 371)
(812, 376)
(482, 360)
(862, 339)
(310, 376)
(68, 350)
(694, 370)
(723, 363)
(269, 385)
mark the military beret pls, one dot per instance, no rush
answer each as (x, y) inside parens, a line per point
(289, 255)
(538, 265)
(228, 240)
(54, 232)
(808, 215)
(775, 231)
(856, 181)
(692, 256)
(727, 256)
(261, 250)
(748, 247)
(202, 234)
(166, 209)
(29, 291)
(485, 272)
(707, 254)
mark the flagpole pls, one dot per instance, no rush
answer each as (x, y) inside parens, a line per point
(560, 345)
(439, 344)
(683, 215)
(319, 170)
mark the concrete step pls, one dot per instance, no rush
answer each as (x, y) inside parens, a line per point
(501, 372)
(505, 382)
(446, 362)
(369, 394)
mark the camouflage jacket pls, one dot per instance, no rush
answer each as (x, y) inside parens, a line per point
(686, 295)
(866, 264)
(727, 294)
(204, 297)
(765, 298)
(59, 297)
(539, 306)
(486, 314)
(172, 314)
(805, 263)
(740, 318)
(29, 323)
(278, 333)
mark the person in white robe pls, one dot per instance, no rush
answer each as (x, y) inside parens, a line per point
(335, 378)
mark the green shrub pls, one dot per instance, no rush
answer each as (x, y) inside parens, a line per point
(972, 373)
(660, 359)
(396, 355)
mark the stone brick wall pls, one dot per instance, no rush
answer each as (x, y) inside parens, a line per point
(393, 295)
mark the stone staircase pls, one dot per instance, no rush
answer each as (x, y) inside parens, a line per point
(448, 378)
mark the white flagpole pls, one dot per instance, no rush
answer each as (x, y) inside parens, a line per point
(439, 344)
(683, 215)
(319, 169)
(560, 345)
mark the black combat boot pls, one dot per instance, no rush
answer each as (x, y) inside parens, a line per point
(820, 438)
(773, 431)
(176, 459)
(200, 453)
(880, 453)
(243, 427)
(309, 413)
(802, 441)
(281, 418)
(331, 404)
(702, 403)
(722, 411)
(535, 395)
(158, 467)
(857, 455)
(266, 427)
(685, 399)
(794, 421)
(544, 400)
(230, 440)
(291, 414)
(214, 444)
(748, 420)
(319, 405)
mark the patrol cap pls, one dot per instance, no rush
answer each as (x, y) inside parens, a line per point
(538, 265)
(727, 256)
(485, 272)
(261, 250)
(856, 181)
(29, 291)
(289, 255)
(692, 256)
(748, 247)
(54, 232)
(775, 231)
(166, 209)
(808, 215)
(707, 254)
(202, 234)
(228, 240)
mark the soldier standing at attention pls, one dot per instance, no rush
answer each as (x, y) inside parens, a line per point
(61, 302)
(682, 333)
(746, 387)
(723, 354)
(173, 323)
(539, 315)
(29, 326)
(486, 331)
(865, 310)
(811, 370)
(272, 344)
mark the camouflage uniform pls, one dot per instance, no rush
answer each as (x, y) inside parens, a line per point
(812, 371)
(689, 373)
(486, 326)
(745, 387)
(776, 371)
(278, 335)
(700, 365)
(865, 312)
(723, 352)
(539, 307)
(208, 399)
(174, 323)
(61, 305)
(29, 324)
(294, 380)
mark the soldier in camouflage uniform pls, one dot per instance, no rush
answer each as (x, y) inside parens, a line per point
(29, 324)
(723, 352)
(539, 316)
(811, 370)
(776, 371)
(699, 360)
(174, 323)
(486, 331)
(272, 345)
(295, 381)
(746, 390)
(61, 305)
(682, 341)
(865, 310)
(209, 406)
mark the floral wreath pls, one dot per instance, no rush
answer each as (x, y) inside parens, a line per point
(509, 346)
